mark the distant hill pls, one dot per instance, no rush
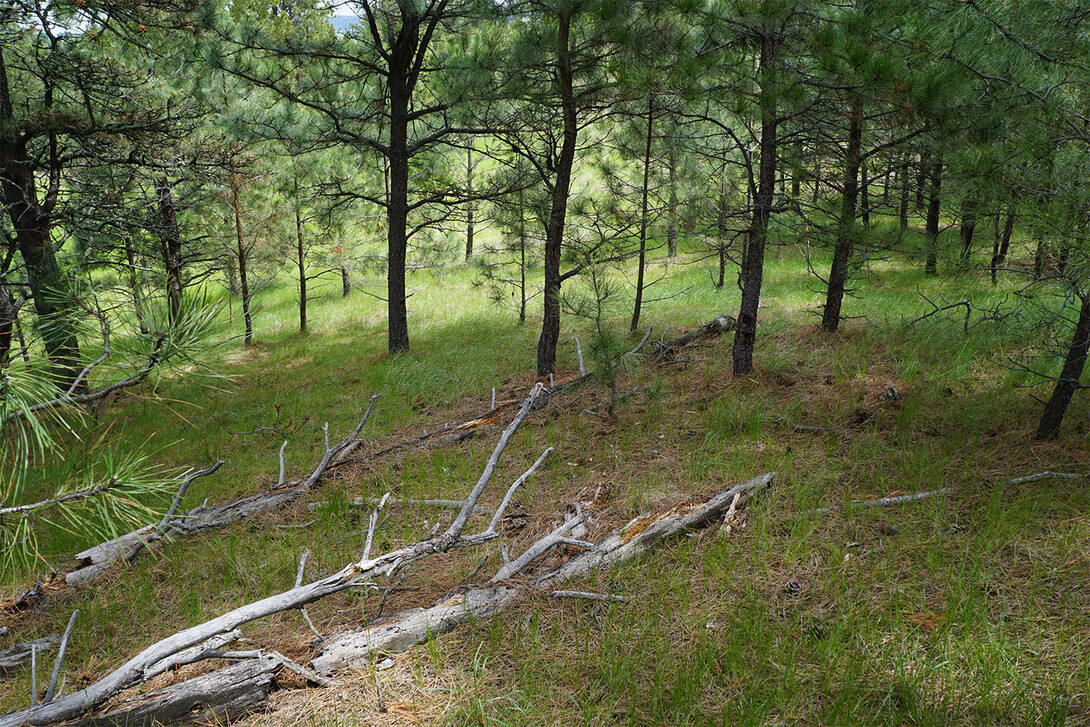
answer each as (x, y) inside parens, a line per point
(342, 23)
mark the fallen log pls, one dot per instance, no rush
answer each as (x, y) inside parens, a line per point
(214, 698)
(718, 326)
(20, 653)
(399, 632)
(355, 574)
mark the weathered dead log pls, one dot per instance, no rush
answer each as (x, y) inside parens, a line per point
(399, 632)
(20, 653)
(214, 698)
(717, 327)
(354, 574)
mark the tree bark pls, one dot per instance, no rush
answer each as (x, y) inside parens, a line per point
(671, 209)
(31, 222)
(931, 232)
(301, 265)
(644, 213)
(1002, 245)
(171, 238)
(236, 204)
(397, 204)
(554, 226)
(838, 274)
(470, 206)
(1068, 382)
(746, 333)
(968, 227)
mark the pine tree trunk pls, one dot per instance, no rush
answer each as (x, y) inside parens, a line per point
(554, 227)
(31, 224)
(171, 238)
(864, 194)
(346, 283)
(968, 227)
(470, 205)
(1068, 382)
(8, 316)
(906, 189)
(300, 264)
(931, 267)
(838, 274)
(671, 210)
(644, 212)
(134, 285)
(1002, 245)
(745, 335)
(399, 89)
(236, 203)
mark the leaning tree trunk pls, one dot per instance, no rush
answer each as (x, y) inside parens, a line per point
(1068, 382)
(171, 238)
(554, 227)
(931, 232)
(236, 203)
(838, 274)
(753, 271)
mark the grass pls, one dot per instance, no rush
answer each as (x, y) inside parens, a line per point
(965, 609)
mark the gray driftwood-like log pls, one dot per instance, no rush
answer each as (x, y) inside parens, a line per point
(717, 327)
(213, 698)
(131, 673)
(20, 653)
(399, 632)
(95, 562)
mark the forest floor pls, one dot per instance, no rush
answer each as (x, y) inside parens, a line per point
(970, 607)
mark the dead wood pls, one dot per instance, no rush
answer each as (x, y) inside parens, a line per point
(399, 632)
(354, 574)
(20, 653)
(717, 327)
(213, 698)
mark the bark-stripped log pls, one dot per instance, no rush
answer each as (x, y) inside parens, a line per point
(214, 698)
(132, 672)
(415, 626)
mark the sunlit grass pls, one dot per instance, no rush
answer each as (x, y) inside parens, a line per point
(968, 608)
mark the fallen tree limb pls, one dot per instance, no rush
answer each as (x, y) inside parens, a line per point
(354, 574)
(886, 501)
(217, 697)
(720, 325)
(415, 626)
(20, 653)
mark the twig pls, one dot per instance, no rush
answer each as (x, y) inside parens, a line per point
(1043, 476)
(33, 676)
(297, 526)
(51, 690)
(887, 501)
(588, 596)
(801, 427)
